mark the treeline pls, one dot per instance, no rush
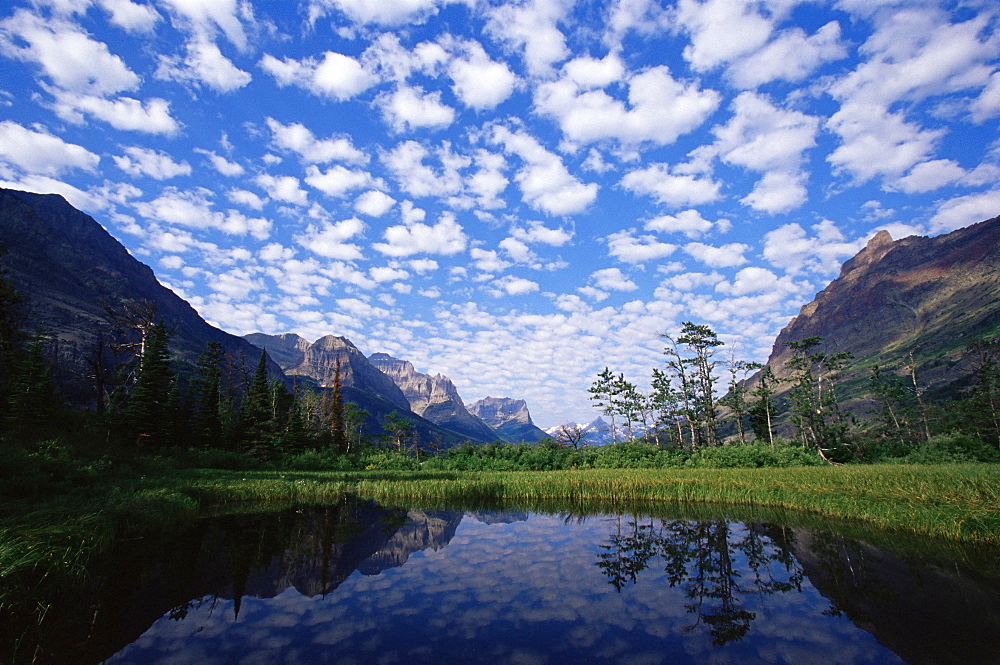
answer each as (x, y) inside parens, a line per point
(699, 400)
(225, 411)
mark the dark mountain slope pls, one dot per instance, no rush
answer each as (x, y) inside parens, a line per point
(930, 297)
(67, 265)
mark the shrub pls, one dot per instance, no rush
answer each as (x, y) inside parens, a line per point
(753, 455)
(953, 448)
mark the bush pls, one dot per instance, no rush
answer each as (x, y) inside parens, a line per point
(753, 455)
(380, 459)
(953, 448)
(324, 459)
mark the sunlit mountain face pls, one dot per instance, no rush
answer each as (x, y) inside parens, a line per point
(513, 195)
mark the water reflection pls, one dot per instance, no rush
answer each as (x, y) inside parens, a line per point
(358, 583)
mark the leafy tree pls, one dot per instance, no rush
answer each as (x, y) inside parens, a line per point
(354, 420)
(762, 408)
(399, 428)
(701, 342)
(736, 397)
(666, 405)
(894, 408)
(571, 436)
(815, 408)
(602, 394)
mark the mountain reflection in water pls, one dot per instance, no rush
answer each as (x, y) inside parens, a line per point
(358, 583)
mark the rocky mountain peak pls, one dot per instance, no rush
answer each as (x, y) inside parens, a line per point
(498, 411)
(434, 397)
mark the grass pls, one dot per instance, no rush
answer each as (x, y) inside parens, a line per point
(57, 537)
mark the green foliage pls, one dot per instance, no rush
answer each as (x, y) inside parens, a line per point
(952, 448)
(755, 455)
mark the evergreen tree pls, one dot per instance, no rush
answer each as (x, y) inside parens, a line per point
(32, 398)
(736, 397)
(762, 408)
(815, 409)
(985, 397)
(208, 421)
(150, 411)
(602, 394)
(335, 411)
(701, 342)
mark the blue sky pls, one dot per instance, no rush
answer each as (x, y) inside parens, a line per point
(515, 195)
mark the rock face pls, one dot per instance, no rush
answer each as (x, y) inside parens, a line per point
(928, 296)
(433, 397)
(509, 417)
(317, 361)
(67, 266)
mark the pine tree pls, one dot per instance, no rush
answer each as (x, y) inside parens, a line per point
(32, 397)
(149, 412)
(208, 422)
(335, 412)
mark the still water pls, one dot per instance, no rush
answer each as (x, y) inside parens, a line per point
(358, 583)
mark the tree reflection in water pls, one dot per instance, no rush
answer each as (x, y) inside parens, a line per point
(700, 558)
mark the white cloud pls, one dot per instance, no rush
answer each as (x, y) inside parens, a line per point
(68, 56)
(721, 30)
(151, 117)
(790, 248)
(488, 260)
(297, 138)
(156, 164)
(204, 64)
(446, 237)
(791, 56)
(203, 18)
(659, 109)
(726, 256)
(374, 203)
(624, 247)
(337, 180)
(337, 76)
(671, 188)
(221, 164)
(283, 188)
(545, 182)
(987, 105)
(329, 240)
(245, 198)
(537, 232)
(411, 107)
(514, 286)
(611, 279)
(393, 13)
(193, 209)
(531, 26)
(964, 210)
(478, 81)
(387, 274)
(928, 176)
(131, 16)
(688, 222)
(43, 153)
(406, 163)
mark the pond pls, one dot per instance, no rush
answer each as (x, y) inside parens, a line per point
(359, 583)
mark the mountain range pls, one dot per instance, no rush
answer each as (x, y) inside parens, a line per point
(82, 286)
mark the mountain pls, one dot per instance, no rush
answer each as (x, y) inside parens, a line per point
(68, 266)
(509, 417)
(596, 433)
(434, 397)
(930, 297)
(362, 382)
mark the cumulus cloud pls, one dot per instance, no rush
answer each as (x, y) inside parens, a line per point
(446, 237)
(205, 65)
(411, 107)
(537, 232)
(629, 249)
(336, 75)
(381, 13)
(665, 184)
(42, 153)
(725, 256)
(283, 188)
(221, 164)
(612, 279)
(688, 222)
(67, 55)
(546, 184)
(789, 247)
(138, 161)
(194, 209)
(151, 116)
(337, 180)
(374, 203)
(205, 18)
(297, 138)
(964, 210)
(514, 286)
(479, 82)
(406, 163)
(659, 108)
(531, 28)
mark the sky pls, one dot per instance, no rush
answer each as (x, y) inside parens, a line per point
(513, 194)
